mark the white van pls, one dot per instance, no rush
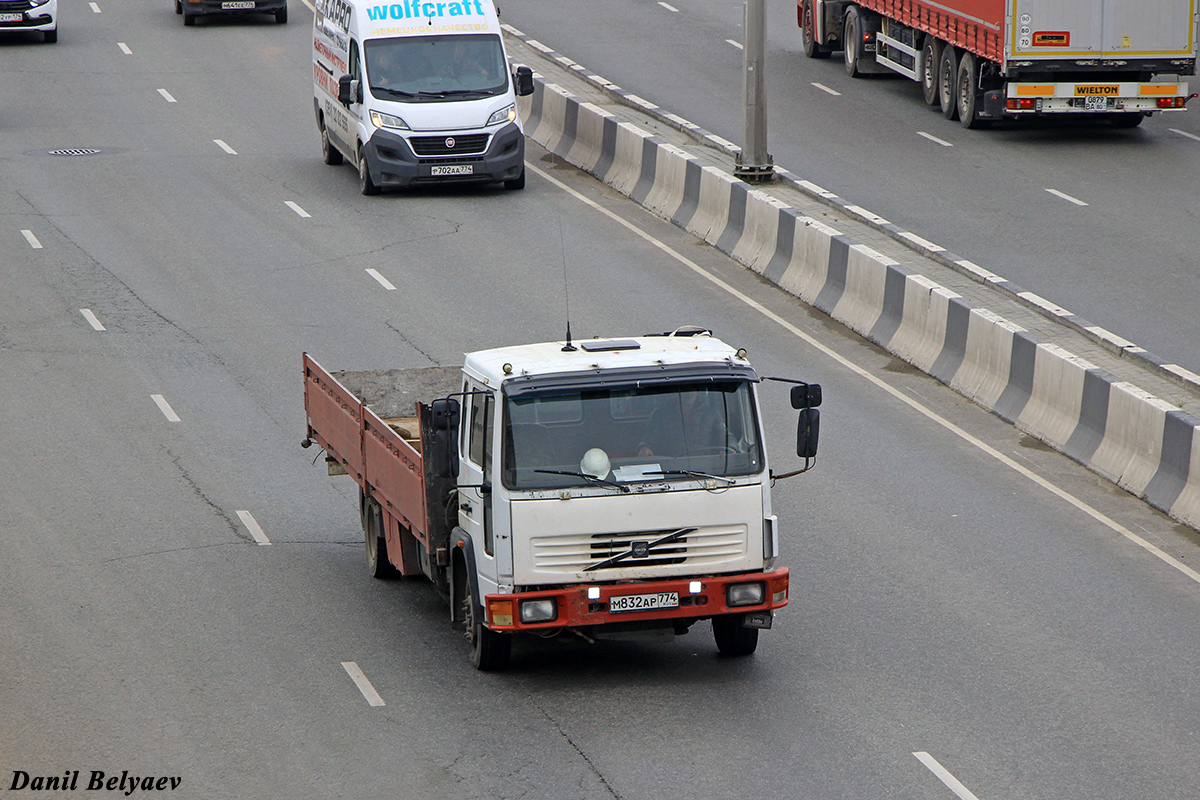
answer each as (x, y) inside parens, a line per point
(415, 91)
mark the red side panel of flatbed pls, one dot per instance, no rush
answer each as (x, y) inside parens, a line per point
(975, 25)
(379, 460)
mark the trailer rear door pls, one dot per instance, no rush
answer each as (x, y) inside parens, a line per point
(1071, 29)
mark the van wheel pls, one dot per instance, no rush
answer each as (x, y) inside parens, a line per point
(733, 638)
(281, 15)
(517, 182)
(50, 37)
(365, 184)
(330, 154)
(931, 55)
(189, 19)
(947, 79)
(490, 651)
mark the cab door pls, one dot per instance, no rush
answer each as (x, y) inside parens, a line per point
(476, 452)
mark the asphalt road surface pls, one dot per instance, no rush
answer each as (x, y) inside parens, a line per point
(955, 626)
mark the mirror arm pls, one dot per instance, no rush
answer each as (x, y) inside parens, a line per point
(809, 463)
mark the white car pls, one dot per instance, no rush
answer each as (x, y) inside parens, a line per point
(30, 15)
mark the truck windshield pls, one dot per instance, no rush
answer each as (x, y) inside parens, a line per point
(661, 432)
(436, 68)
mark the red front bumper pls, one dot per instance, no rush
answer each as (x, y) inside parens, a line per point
(575, 608)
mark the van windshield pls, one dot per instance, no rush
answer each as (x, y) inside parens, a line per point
(436, 68)
(665, 432)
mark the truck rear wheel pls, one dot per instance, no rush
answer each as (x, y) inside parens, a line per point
(851, 32)
(490, 651)
(378, 565)
(812, 48)
(931, 55)
(947, 78)
(733, 638)
(969, 94)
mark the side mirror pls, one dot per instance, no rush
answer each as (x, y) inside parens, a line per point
(806, 395)
(445, 414)
(808, 432)
(523, 81)
(349, 90)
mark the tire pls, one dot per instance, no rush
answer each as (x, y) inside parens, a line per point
(281, 15)
(811, 48)
(1130, 120)
(178, 6)
(932, 55)
(517, 182)
(329, 154)
(378, 565)
(490, 651)
(968, 94)
(850, 34)
(947, 78)
(734, 639)
(50, 37)
(365, 184)
(189, 19)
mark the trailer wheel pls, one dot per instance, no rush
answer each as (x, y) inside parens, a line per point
(968, 92)
(734, 639)
(490, 651)
(812, 48)
(851, 32)
(947, 78)
(931, 55)
(378, 565)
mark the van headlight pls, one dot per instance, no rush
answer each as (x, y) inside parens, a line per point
(381, 120)
(544, 609)
(503, 115)
(745, 594)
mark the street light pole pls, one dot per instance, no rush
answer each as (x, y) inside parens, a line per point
(754, 162)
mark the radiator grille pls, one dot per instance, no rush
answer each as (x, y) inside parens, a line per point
(459, 145)
(574, 552)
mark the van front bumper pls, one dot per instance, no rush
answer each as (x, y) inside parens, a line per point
(393, 163)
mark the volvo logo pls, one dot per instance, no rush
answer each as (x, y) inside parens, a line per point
(449, 142)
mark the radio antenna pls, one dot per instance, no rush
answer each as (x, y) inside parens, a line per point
(568, 347)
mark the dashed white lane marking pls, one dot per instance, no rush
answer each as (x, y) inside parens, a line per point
(251, 525)
(825, 88)
(294, 207)
(669, 7)
(167, 96)
(125, 48)
(1186, 134)
(933, 138)
(364, 685)
(92, 320)
(945, 777)
(219, 143)
(33, 240)
(738, 45)
(95, 8)
(883, 385)
(384, 282)
(1066, 197)
(165, 407)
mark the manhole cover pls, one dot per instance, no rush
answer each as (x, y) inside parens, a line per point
(74, 151)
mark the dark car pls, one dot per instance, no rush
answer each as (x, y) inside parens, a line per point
(190, 9)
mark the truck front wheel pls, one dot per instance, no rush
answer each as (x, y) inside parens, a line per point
(733, 638)
(490, 651)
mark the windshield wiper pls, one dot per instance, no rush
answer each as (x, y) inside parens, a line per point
(585, 476)
(462, 92)
(690, 472)
(395, 92)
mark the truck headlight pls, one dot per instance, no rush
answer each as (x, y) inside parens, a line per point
(503, 115)
(544, 609)
(381, 120)
(744, 594)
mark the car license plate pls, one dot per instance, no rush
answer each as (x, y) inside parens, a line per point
(1095, 103)
(643, 602)
(11, 17)
(453, 169)
(236, 4)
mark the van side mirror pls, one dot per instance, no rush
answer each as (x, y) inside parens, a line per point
(808, 432)
(523, 81)
(349, 90)
(806, 395)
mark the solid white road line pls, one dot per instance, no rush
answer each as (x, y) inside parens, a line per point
(165, 407)
(252, 526)
(33, 240)
(296, 208)
(364, 685)
(225, 147)
(869, 376)
(167, 96)
(738, 45)
(1185, 133)
(384, 282)
(1066, 197)
(933, 138)
(668, 7)
(91, 318)
(825, 88)
(945, 777)
(125, 48)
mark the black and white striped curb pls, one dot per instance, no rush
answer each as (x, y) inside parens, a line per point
(1147, 446)
(1111, 341)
